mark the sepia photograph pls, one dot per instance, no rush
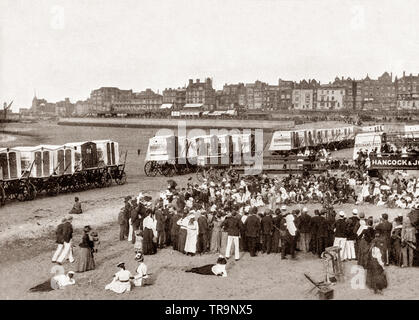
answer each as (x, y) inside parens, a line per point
(221, 151)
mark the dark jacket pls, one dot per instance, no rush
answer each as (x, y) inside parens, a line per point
(67, 232)
(267, 224)
(319, 227)
(174, 228)
(351, 230)
(384, 228)
(122, 218)
(203, 225)
(252, 226)
(160, 221)
(304, 223)
(232, 225)
(341, 227)
(59, 233)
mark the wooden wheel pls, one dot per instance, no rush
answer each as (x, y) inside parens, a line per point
(151, 168)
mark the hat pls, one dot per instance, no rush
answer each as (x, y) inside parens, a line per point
(87, 228)
(341, 213)
(70, 272)
(127, 198)
(283, 208)
(305, 209)
(69, 218)
(362, 215)
(121, 264)
(355, 211)
(139, 257)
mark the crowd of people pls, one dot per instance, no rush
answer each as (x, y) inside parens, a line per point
(252, 216)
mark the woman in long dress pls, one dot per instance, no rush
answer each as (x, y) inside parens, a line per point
(376, 277)
(191, 237)
(149, 231)
(365, 235)
(86, 260)
(215, 245)
(218, 269)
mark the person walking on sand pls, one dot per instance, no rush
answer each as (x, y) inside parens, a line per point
(67, 252)
(59, 240)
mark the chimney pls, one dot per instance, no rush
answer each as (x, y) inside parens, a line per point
(342, 78)
(197, 80)
(190, 81)
(404, 73)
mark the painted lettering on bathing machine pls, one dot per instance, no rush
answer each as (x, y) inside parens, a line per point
(395, 162)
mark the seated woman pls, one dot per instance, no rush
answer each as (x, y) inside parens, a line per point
(141, 278)
(218, 269)
(121, 281)
(76, 207)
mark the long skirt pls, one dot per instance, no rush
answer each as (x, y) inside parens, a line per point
(182, 240)
(207, 270)
(86, 260)
(148, 245)
(363, 248)
(224, 237)
(376, 278)
(215, 241)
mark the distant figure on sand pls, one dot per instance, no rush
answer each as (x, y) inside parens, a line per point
(76, 207)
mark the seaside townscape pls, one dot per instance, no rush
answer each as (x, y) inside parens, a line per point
(199, 99)
(215, 187)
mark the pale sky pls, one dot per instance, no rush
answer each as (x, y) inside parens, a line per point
(68, 48)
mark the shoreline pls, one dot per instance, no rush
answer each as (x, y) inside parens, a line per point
(174, 123)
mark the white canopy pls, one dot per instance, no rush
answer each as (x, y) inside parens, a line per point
(166, 106)
(193, 105)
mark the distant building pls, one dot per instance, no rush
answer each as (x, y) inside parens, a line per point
(302, 99)
(256, 95)
(378, 94)
(42, 107)
(232, 96)
(407, 91)
(82, 108)
(285, 94)
(304, 95)
(103, 99)
(201, 92)
(330, 97)
(64, 108)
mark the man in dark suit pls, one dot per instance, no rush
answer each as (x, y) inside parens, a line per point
(267, 226)
(122, 221)
(384, 230)
(232, 225)
(303, 224)
(203, 230)
(67, 234)
(59, 240)
(252, 227)
(320, 230)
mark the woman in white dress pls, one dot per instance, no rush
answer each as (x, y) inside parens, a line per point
(191, 237)
(140, 279)
(121, 281)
